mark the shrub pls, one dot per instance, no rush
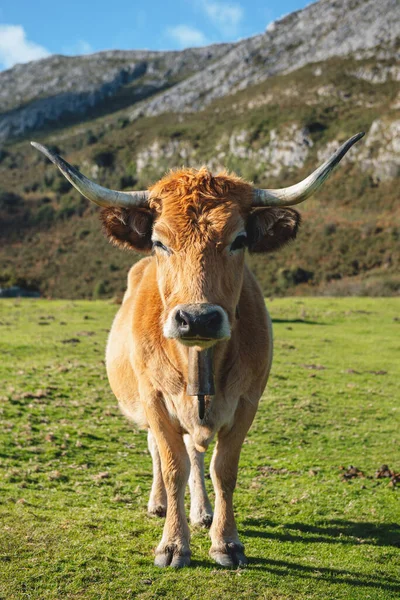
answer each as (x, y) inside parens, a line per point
(293, 276)
(45, 215)
(70, 207)
(9, 200)
(91, 138)
(100, 289)
(31, 187)
(49, 178)
(122, 122)
(104, 158)
(62, 185)
(329, 228)
(127, 181)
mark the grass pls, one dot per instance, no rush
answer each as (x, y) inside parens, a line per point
(75, 476)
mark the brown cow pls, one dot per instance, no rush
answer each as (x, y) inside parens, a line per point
(193, 317)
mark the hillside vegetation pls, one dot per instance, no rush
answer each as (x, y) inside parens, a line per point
(273, 132)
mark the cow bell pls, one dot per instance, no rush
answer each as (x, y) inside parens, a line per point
(201, 376)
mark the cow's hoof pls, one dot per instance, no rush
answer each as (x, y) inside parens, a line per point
(230, 557)
(157, 510)
(205, 521)
(172, 557)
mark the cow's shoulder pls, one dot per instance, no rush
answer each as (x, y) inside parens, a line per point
(136, 274)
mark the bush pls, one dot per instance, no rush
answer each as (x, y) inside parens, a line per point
(49, 178)
(62, 185)
(9, 200)
(104, 158)
(100, 289)
(122, 122)
(90, 138)
(70, 207)
(12, 279)
(31, 187)
(45, 215)
(293, 276)
(127, 181)
(329, 228)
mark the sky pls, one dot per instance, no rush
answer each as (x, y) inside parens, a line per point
(33, 29)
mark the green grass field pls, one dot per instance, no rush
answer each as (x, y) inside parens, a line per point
(75, 475)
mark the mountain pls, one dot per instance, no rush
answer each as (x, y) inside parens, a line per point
(40, 93)
(269, 107)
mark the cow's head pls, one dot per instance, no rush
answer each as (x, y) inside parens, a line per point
(198, 226)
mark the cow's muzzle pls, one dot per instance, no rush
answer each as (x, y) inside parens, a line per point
(197, 324)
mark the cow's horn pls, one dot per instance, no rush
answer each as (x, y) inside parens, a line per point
(301, 191)
(92, 191)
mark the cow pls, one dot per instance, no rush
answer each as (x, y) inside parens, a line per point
(190, 349)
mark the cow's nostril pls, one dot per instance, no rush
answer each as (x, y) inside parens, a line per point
(183, 320)
(213, 319)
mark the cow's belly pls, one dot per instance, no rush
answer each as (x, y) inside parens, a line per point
(121, 375)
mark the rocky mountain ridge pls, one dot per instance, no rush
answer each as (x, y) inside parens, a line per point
(39, 95)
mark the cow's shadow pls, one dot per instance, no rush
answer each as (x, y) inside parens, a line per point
(298, 321)
(335, 531)
(330, 575)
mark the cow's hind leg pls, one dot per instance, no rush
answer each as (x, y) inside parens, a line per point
(200, 508)
(226, 548)
(158, 496)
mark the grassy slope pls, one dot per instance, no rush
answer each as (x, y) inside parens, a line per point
(69, 531)
(351, 229)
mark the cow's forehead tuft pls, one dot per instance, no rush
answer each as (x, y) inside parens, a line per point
(199, 189)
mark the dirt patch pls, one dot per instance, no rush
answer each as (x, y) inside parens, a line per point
(384, 472)
(350, 472)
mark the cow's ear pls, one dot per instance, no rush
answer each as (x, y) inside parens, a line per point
(128, 228)
(271, 228)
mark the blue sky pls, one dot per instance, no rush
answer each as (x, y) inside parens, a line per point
(32, 29)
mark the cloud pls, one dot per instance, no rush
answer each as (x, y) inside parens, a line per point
(79, 48)
(16, 48)
(187, 36)
(225, 16)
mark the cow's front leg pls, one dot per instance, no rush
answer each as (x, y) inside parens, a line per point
(158, 497)
(226, 548)
(174, 548)
(200, 508)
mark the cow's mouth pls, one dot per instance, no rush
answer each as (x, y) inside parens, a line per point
(202, 343)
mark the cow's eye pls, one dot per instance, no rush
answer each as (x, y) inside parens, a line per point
(239, 243)
(160, 246)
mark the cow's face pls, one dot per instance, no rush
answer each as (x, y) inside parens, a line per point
(198, 227)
